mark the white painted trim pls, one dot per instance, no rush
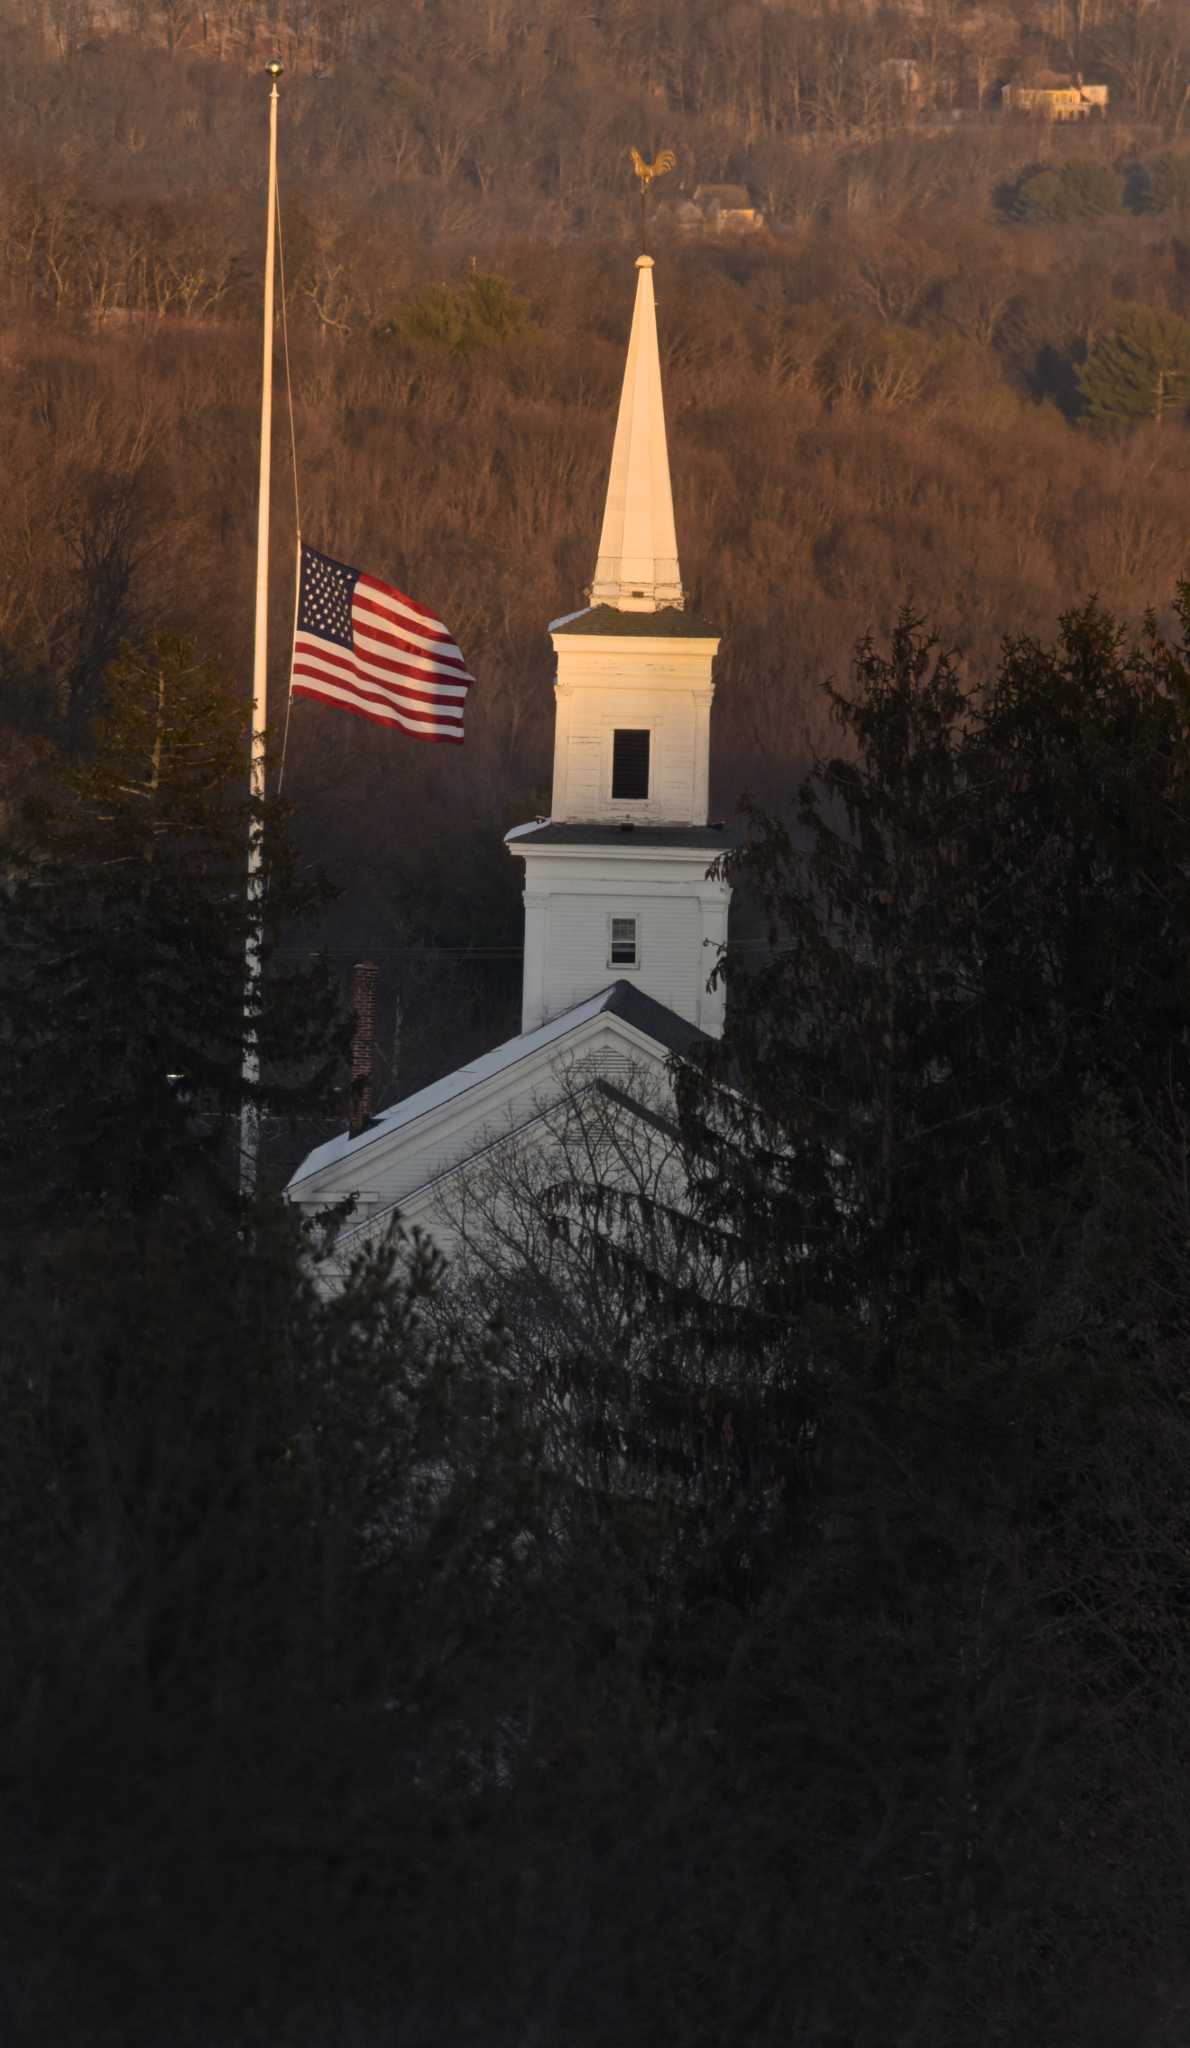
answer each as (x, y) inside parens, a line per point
(428, 1100)
(582, 650)
(622, 847)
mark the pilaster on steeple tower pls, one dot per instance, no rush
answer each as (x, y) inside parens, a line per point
(637, 569)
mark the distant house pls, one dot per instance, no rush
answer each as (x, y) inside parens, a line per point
(1060, 102)
(719, 209)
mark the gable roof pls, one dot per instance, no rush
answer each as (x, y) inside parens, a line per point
(654, 1019)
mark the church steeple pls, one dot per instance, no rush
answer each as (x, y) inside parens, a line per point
(617, 879)
(637, 568)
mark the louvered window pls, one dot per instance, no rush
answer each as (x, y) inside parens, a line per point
(630, 764)
(624, 950)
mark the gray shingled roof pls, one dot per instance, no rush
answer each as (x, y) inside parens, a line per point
(665, 625)
(714, 838)
(662, 1024)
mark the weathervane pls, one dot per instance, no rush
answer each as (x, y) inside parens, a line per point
(663, 161)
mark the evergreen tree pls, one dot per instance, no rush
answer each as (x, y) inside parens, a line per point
(893, 1718)
(1165, 186)
(269, 1576)
(1141, 371)
(123, 928)
(895, 1799)
(263, 1554)
(943, 1132)
(978, 932)
(483, 312)
(1081, 190)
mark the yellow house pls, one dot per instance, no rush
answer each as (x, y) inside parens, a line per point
(1055, 102)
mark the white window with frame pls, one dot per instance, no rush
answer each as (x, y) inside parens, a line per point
(623, 942)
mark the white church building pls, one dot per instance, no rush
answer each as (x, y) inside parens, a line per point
(623, 926)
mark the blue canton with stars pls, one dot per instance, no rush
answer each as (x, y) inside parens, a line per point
(324, 598)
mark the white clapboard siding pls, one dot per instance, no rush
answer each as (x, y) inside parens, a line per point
(663, 686)
(671, 966)
(571, 893)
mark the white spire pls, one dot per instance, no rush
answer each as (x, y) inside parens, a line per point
(637, 570)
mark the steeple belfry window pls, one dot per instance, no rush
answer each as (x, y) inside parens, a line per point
(630, 764)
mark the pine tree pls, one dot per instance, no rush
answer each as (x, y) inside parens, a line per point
(979, 929)
(1165, 185)
(943, 1136)
(1082, 190)
(264, 1559)
(263, 1551)
(1141, 371)
(124, 925)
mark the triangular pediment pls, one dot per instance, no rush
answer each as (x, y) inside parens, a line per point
(388, 1167)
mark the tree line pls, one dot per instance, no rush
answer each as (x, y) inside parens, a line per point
(786, 68)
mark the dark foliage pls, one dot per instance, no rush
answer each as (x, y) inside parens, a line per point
(977, 937)
(124, 923)
(809, 1674)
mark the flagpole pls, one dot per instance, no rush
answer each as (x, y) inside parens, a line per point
(249, 1112)
(297, 605)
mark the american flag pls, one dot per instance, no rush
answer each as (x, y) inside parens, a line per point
(363, 645)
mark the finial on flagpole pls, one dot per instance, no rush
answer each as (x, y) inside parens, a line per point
(274, 67)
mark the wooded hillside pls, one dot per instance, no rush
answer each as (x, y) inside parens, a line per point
(878, 397)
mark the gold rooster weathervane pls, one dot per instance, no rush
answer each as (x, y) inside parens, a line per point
(663, 161)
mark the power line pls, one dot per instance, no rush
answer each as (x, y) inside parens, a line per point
(373, 952)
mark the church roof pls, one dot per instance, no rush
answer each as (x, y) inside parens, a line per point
(714, 838)
(637, 568)
(667, 624)
(654, 1019)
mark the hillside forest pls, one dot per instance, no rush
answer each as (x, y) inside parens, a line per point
(881, 397)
